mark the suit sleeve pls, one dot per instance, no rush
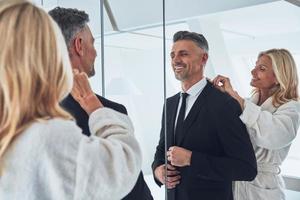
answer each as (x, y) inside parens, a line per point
(113, 105)
(238, 161)
(159, 157)
(122, 109)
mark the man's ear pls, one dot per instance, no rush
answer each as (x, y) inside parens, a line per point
(78, 46)
(204, 58)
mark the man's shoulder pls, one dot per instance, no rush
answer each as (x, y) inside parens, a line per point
(216, 96)
(111, 104)
(71, 105)
(219, 101)
(173, 99)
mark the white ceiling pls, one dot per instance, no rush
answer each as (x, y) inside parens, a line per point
(259, 22)
(237, 19)
(130, 14)
(256, 21)
(267, 19)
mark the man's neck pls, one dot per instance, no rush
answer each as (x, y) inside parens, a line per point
(186, 85)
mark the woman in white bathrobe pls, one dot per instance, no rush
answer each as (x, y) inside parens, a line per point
(272, 117)
(43, 154)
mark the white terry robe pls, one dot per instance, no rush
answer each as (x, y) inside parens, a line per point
(52, 159)
(271, 131)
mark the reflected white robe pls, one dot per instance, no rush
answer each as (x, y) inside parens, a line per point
(272, 131)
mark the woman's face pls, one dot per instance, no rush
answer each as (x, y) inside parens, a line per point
(263, 76)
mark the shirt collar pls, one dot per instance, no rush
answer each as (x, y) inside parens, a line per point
(197, 88)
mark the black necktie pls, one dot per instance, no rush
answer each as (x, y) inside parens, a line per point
(179, 126)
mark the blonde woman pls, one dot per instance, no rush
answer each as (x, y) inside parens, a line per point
(43, 153)
(272, 119)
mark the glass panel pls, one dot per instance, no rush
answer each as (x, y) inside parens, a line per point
(236, 31)
(134, 72)
(134, 78)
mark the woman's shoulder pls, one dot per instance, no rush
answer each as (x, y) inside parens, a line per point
(54, 136)
(54, 130)
(55, 124)
(292, 104)
(58, 124)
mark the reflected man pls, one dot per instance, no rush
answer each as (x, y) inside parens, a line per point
(208, 145)
(82, 53)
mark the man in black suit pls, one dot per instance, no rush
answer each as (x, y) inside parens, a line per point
(80, 43)
(208, 145)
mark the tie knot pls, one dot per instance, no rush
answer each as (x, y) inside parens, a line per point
(184, 95)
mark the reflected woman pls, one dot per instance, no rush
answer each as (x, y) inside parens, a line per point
(272, 117)
(43, 154)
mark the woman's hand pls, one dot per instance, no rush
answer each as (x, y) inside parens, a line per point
(83, 93)
(223, 84)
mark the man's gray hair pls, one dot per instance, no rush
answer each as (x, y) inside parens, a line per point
(70, 21)
(197, 38)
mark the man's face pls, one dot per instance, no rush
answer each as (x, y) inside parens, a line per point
(188, 61)
(89, 52)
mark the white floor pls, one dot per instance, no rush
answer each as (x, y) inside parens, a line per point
(159, 192)
(292, 195)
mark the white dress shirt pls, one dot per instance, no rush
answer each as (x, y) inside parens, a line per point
(193, 92)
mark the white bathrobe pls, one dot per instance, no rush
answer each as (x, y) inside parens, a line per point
(53, 160)
(272, 131)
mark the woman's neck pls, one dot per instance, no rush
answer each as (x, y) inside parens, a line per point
(263, 96)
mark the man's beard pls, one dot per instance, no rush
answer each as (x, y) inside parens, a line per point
(181, 76)
(92, 72)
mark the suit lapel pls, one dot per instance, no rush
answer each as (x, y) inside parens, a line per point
(171, 116)
(195, 110)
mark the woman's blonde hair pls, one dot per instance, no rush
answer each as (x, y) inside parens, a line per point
(35, 71)
(285, 71)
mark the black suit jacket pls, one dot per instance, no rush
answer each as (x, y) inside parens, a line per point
(220, 145)
(140, 190)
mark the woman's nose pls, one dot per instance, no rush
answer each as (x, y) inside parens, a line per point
(253, 71)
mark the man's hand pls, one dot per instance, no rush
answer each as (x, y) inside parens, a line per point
(83, 93)
(173, 176)
(179, 156)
